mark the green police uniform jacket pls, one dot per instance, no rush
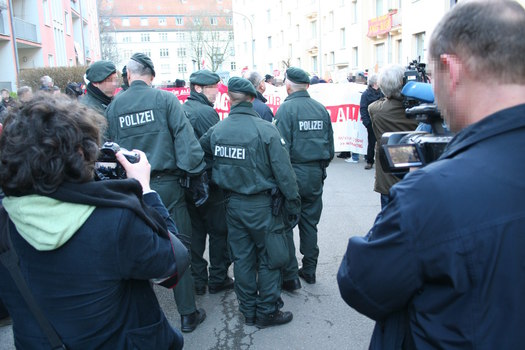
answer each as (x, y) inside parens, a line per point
(306, 127)
(93, 102)
(153, 121)
(200, 113)
(249, 156)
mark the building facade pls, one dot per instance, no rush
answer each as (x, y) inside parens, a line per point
(332, 38)
(180, 36)
(46, 33)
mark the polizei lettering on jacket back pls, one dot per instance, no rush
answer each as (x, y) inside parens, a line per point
(136, 119)
(233, 152)
(310, 125)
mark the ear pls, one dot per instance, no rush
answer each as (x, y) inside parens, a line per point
(454, 68)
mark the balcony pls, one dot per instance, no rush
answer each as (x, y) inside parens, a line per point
(25, 30)
(3, 25)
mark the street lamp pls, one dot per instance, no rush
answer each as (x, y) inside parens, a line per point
(251, 31)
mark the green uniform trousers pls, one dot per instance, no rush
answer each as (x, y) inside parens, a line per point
(172, 195)
(310, 183)
(209, 219)
(249, 219)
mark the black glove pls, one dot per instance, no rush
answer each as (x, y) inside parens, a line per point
(293, 220)
(199, 188)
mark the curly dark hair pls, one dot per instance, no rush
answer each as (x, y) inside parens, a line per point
(48, 141)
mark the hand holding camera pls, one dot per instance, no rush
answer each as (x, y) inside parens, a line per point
(139, 171)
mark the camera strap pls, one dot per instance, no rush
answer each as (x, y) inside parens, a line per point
(9, 259)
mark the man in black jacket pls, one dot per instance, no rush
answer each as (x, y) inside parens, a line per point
(259, 103)
(371, 94)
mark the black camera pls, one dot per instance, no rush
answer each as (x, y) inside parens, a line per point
(107, 165)
(401, 151)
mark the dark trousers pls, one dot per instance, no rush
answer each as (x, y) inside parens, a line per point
(172, 195)
(249, 219)
(3, 311)
(209, 220)
(371, 145)
(309, 180)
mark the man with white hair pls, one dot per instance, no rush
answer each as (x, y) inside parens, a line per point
(370, 95)
(388, 115)
(259, 103)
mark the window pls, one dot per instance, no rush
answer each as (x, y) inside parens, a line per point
(298, 62)
(314, 63)
(181, 52)
(342, 37)
(355, 56)
(125, 22)
(380, 55)
(180, 36)
(269, 42)
(144, 37)
(399, 50)
(66, 22)
(269, 15)
(297, 32)
(314, 29)
(47, 19)
(165, 67)
(289, 19)
(182, 68)
(353, 13)
(179, 20)
(379, 8)
(143, 21)
(126, 39)
(332, 58)
(245, 47)
(290, 50)
(196, 20)
(230, 35)
(126, 54)
(419, 45)
(147, 52)
(232, 51)
(164, 53)
(163, 36)
(331, 21)
(162, 21)
(229, 21)
(213, 21)
(233, 66)
(51, 59)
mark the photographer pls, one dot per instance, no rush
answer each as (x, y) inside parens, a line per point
(388, 115)
(443, 265)
(87, 250)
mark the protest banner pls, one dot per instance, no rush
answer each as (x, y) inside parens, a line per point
(341, 101)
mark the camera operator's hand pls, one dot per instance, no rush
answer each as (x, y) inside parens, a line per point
(139, 171)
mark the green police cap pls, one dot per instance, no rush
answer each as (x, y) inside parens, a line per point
(124, 71)
(100, 70)
(237, 84)
(297, 75)
(144, 60)
(204, 77)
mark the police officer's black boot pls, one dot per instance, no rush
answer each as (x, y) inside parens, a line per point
(274, 319)
(188, 323)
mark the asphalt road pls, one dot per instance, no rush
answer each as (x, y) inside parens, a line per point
(321, 319)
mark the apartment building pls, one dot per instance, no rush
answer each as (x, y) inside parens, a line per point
(46, 33)
(331, 38)
(180, 36)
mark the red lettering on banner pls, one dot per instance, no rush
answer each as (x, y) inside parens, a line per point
(343, 113)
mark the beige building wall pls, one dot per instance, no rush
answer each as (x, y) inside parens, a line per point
(330, 38)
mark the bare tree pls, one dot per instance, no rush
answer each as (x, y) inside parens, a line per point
(209, 43)
(108, 44)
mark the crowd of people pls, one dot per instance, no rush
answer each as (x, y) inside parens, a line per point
(440, 268)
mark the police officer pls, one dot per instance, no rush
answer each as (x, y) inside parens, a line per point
(306, 127)
(103, 81)
(152, 120)
(209, 218)
(249, 161)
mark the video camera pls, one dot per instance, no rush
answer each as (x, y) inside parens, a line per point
(401, 151)
(107, 166)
